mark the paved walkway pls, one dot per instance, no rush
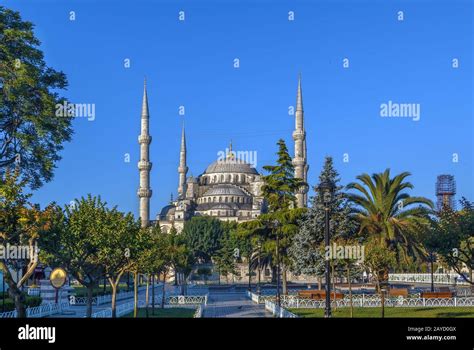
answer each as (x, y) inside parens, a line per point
(80, 310)
(232, 304)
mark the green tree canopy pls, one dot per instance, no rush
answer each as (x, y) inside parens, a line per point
(203, 236)
(385, 211)
(31, 135)
(73, 241)
(452, 237)
(305, 252)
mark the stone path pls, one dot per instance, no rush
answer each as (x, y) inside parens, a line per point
(232, 304)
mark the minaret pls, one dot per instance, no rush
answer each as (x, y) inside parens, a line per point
(144, 165)
(299, 161)
(182, 169)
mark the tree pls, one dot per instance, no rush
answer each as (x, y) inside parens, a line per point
(387, 213)
(225, 258)
(280, 185)
(31, 134)
(246, 241)
(453, 235)
(21, 225)
(141, 262)
(154, 260)
(304, 252)
(181, 258)
(202, 235)
(119, 243)
(73, 242)
(378, 260)
(279, 189)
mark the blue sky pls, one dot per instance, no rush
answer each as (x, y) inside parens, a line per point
(190, 63)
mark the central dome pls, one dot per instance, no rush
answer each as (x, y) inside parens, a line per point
(225, 190)
(230, 166)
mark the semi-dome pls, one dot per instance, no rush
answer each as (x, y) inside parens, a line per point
(167, 210)
(230, 166)
(220, 190)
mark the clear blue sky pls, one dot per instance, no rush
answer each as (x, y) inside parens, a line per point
(191, 63)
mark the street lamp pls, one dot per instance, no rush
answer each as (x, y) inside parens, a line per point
(276, 224)
(326, 189)
(259, 267)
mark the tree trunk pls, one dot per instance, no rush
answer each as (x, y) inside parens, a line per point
(350, 289)
(114, 299)
(382, 299)
(135, 294)
(259, 281)
(153, 294)
(320, 283)
(90, 291)
(147, 294)
(163, 292)
(14, 291)
(250, 276)
(284, 279)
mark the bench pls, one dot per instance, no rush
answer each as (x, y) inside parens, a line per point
(318, 294)
(396, 292)
(429, 295)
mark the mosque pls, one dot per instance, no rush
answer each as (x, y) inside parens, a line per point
(229, 189)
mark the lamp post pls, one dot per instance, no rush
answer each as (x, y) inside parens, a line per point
(326, 188)
(259, 267)
(276, 224)
(3, 291)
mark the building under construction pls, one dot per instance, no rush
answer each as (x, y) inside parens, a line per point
(445, 191)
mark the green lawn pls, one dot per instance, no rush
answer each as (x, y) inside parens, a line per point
(427, 312)
(165, 313)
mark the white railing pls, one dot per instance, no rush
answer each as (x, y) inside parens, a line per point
(103, 299)
(120, 310)
(259, 299)
(278, 311)
(43, 310)
(187, 300)
(438, 278)
(34, 291)
(375, 301)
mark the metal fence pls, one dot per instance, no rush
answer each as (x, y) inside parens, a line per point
(375, 301)
(43, 310)
(183, 300)
(103, 299)
(438, 278)
(278, 311)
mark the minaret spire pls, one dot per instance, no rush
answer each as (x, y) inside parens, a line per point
(144, 165)
(182, 169)
(300, 160)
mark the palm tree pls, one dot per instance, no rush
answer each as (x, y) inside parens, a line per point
(387, 213)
